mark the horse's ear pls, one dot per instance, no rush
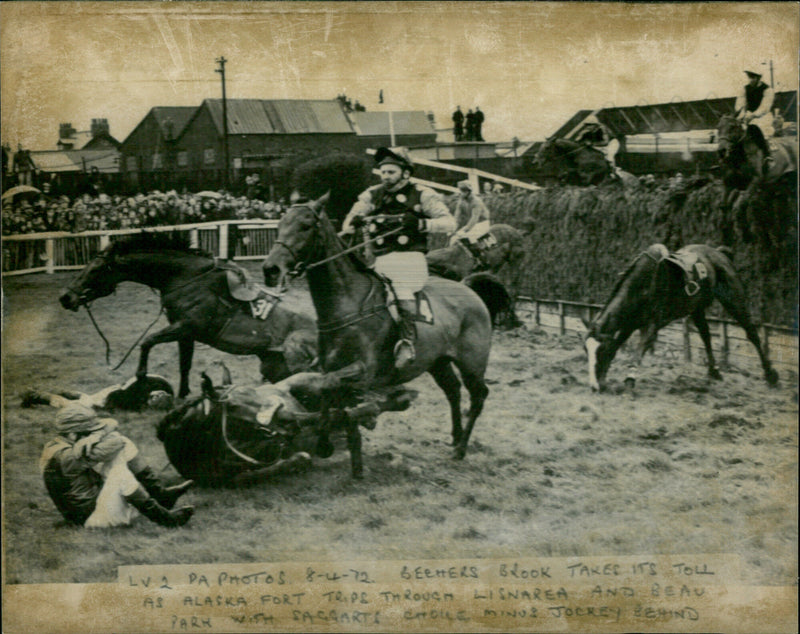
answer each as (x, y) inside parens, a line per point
(226, 375)
(320, 202)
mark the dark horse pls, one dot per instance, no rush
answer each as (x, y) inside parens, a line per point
(572, 163)
(233, 434)
(457, 262)
(742, 159)
(356, 330)
(655, 290)
(199, 306)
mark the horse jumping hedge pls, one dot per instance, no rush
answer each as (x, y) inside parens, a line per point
(577, 239)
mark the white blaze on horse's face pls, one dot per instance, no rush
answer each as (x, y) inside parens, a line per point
(592, 345)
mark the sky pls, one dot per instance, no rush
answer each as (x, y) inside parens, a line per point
(528, 65)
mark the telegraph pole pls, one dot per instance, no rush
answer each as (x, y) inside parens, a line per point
(221, 70)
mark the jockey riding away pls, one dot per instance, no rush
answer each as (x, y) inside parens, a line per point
(400, 257)
(754, 108)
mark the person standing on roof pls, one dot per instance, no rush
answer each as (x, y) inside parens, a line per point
(401, 256)
(754, 109)
(458, 124)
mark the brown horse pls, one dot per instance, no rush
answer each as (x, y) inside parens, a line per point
(199, 306)
(572, 163)
(356, 329)
(742, 159)
(654, 291)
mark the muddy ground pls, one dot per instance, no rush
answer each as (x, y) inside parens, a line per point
(685, 466)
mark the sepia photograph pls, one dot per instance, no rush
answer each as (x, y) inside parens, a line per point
(339, 316)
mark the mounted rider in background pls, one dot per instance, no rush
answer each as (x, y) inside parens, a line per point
(401, 256)
(472, 220)
(754, 109)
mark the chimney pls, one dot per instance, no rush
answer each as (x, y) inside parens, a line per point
(99, 127)
(66, 131)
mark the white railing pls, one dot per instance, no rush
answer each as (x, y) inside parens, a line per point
(471, 173)
(253, 239)
(63, 251)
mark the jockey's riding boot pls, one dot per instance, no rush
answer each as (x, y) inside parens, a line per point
(404, 353)
(34, 397)
(165, 496)
(152, 510)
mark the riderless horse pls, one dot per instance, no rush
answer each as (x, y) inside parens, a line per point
(572, 162)
(659, 287)
(356, 329)
(236, 434)
(199, 297)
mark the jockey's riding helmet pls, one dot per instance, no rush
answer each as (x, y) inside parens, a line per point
(399, 157)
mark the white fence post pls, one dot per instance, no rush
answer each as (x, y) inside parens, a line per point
(105, 240)
(49, 249)
(223, 241)
(194, 238)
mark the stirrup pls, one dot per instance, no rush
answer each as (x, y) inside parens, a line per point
(399, 347)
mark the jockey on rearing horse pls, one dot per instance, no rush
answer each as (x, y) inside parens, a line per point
(400, 256)
(754, 108)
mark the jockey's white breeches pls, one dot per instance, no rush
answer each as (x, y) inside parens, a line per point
(112, 509)
(408, 271)
(764, 123)
(478, 230)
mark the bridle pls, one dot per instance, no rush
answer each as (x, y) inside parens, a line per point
(302, 266)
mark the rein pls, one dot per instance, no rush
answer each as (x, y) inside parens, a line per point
(355, 247)
(108, 345)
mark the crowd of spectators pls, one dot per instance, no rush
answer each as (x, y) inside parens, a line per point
(26, 214)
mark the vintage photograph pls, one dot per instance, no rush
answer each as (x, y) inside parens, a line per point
(477, 284)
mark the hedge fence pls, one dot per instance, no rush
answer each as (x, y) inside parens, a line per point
(578, 239)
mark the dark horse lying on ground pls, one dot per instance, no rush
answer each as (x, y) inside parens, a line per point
(234, 435)
(654, 291)
(357, 330)
(199, 306)
(457, 262)
(572, 163)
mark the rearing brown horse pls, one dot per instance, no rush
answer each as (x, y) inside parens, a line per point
(356, 329)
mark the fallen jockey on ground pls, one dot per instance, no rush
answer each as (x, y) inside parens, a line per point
(153, 392)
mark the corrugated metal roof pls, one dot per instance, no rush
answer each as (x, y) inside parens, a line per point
(178, 115)
(106, 161)
(280, 116)
(404, 122)
(679, 116)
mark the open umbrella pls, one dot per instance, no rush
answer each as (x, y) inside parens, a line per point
(209, 194)
(18, 190)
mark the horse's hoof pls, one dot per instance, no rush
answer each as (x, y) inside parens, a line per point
(358, 474)
(459, 453)
(772, 377)
(324, 447)
(715, 374)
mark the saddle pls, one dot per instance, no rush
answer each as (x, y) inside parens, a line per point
(240, 285)
(694, 271)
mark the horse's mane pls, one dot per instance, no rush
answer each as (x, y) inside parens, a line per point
(627, 272)
(354, 257)
(155, 242)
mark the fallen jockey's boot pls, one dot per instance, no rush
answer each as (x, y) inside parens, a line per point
(165, 496)
(404, 353)
(152, 510)
(34, 397)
